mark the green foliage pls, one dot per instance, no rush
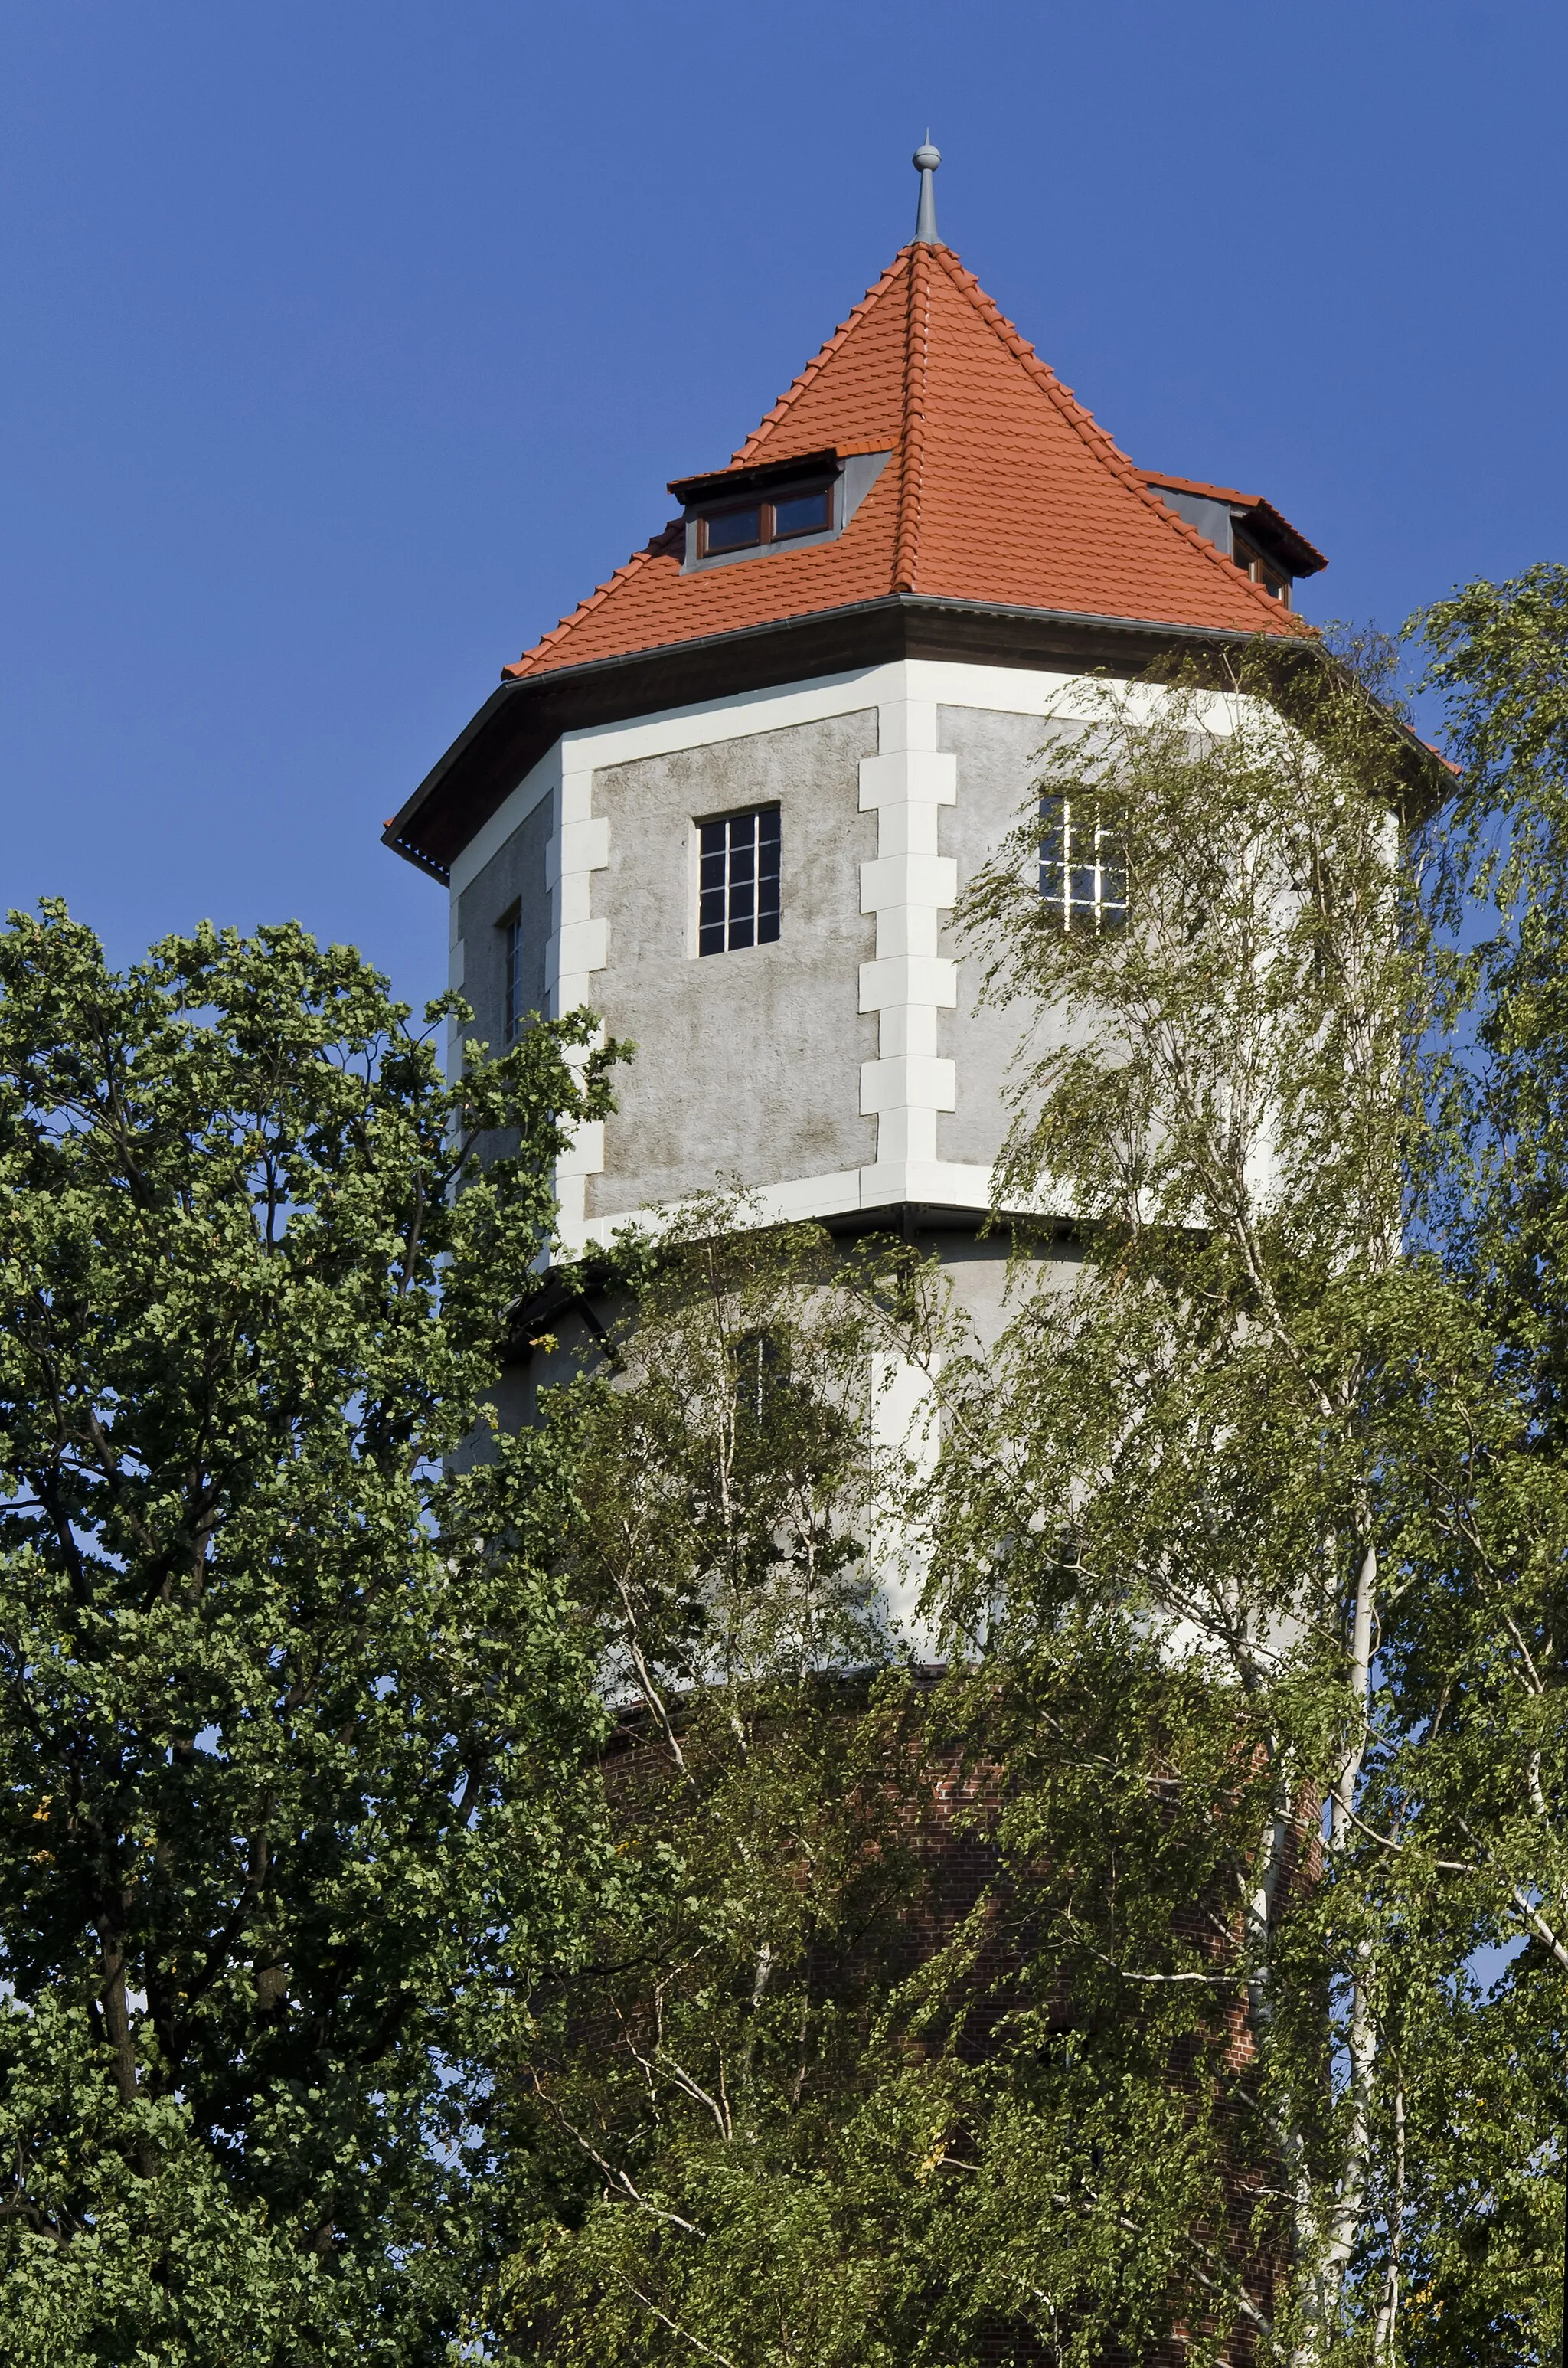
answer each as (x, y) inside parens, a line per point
(296, 1719)
(1478, 1658)
(679, 2093)
(838, 2080)
(1086, 1866)
(1242, 2027)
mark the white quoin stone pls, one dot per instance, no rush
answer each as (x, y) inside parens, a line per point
(911, 888)
(904, 1421)
(578, 946)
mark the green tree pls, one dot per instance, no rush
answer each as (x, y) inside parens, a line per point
(733, 2141)
(299, 1730)
(1169, 1505)
(1477, 1656)
(1144, 2081)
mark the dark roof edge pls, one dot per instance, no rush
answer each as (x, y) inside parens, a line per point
(393, 835)
(888, 601)
(739, 480)
(572, 1281)
(841, 640)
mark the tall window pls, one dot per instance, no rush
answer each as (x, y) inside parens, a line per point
(1083, 865)
(760, 1364)
(512, 1007)
(738, 882)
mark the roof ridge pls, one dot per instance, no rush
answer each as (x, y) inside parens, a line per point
(657, 543)
(912, 423)
(653, 548)
(830, 345)
(1104, 447)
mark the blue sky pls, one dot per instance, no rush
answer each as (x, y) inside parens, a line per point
(347, 345)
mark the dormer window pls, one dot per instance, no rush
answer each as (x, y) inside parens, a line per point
(744, 514)
(745, 526)
(1249, 530)
(1253, 562)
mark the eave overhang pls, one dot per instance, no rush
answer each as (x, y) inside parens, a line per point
(524, 718)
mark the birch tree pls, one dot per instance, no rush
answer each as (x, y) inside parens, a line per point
(1174, 1484)
(1240, 2041)
(811, 2098)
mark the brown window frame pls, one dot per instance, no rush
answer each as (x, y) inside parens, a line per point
(1251, 562)
(766, 507)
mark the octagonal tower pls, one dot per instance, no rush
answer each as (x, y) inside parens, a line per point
(730, 800)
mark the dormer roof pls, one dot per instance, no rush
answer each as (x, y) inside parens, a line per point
(1001, 489)
(1264, 522)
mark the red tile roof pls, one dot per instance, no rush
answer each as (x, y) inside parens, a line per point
(1001, 490)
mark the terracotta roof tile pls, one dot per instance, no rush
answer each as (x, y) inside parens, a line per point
(1001, 488)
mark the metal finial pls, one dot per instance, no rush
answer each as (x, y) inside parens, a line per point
(926, 160)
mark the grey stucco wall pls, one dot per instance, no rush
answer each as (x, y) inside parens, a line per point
(986, 1285)
(998, 760)
(988, 1289)
(748, 1063)
(513, 881)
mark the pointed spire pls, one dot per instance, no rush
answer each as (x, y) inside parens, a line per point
(926, 160)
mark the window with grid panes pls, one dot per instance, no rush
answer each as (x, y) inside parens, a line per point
(738, 880)
(1083, 865)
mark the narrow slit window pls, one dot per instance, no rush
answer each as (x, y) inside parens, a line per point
(738, 882)
(1083, 865)
(761, 1370)
(512, 1005)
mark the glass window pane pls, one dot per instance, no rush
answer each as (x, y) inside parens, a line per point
(738, 880)
(733, 529)
(802, 513)
(1054, 838)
